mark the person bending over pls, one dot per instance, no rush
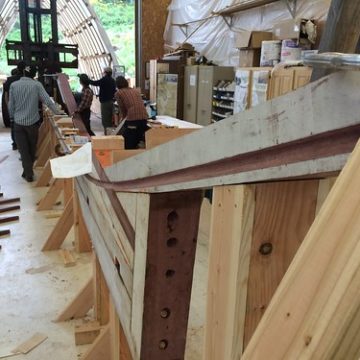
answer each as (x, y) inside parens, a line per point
(24, 97)
(85, 103)
(133, 111)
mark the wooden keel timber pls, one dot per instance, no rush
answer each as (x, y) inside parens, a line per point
(299, 134)
(172, 237)
(314, 313)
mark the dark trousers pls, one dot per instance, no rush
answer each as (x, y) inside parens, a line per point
(26, 140)
(85, 117)
(12, 133)
(134, 132)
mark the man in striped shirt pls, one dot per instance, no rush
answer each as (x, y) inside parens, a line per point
(24, 97)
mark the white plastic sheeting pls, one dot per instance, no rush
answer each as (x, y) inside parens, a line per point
(215, 39)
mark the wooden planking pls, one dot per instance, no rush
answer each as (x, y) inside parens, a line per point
(115, 240)
(115, 283)
(80, 305)
(62, 228)
(101, 294)
(100, 349)
(232, 220)
(30, 344)
(87, 333)
(306, 112)
(315, 310)
(284, 212)
(141, 243)
(45, 176)
(47, 202)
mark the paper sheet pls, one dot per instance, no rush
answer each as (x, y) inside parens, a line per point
(77, 164)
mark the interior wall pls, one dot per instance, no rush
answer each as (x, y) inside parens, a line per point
(153, 20)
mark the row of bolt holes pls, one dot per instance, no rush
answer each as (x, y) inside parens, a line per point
(172, 221)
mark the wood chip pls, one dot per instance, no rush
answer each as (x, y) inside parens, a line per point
(30, 344)
(67, 257)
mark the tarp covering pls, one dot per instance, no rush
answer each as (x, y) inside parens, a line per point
(215, 39)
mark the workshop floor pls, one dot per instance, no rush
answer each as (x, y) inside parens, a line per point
(35, 285)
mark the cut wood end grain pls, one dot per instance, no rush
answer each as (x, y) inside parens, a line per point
(67, 257)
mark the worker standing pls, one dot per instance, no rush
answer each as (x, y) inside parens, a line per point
(133, 111)
(16, 74)
(85, 104)
(24, 97)
(106, 95)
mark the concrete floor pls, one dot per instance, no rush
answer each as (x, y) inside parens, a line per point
(35, 286)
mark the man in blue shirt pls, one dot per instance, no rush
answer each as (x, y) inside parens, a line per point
(106, 95)
(24, 97)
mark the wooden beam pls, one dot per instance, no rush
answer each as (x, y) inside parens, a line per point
(80, 305)
(45, 176)
(101, 294)
(82, 237)
(48, 201)
(44, 153)
(62, 228)
(342, 31)
(232, 220)
(87, 333)
(295, 135)
(314, 313)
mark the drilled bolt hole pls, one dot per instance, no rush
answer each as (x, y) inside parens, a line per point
(266, 249)
(170, 273)
(172, 221)
(163, 344)
(165, 313)
(172, 242)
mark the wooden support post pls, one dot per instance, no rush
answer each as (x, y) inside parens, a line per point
(80, 305)
(44, 153)
(82, 238)
(315, 311)
(101, 295)
(61, 229)
(100, 349)
(68, 186)
(47, 202)
(230, 242)
(45, 176)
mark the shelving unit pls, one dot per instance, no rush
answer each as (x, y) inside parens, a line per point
(222, 104)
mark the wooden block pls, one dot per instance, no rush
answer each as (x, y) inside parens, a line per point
(54, 214)
(100, 349)
(64, 122)
(111, 142)
(158, 136)
(67, 257)
(87, 333)
(119, 155)
(30, 344)
(104, 157)
(69, 131)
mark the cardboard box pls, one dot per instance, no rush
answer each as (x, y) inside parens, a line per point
(249, 57)
(292, 29)
(251, 39)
